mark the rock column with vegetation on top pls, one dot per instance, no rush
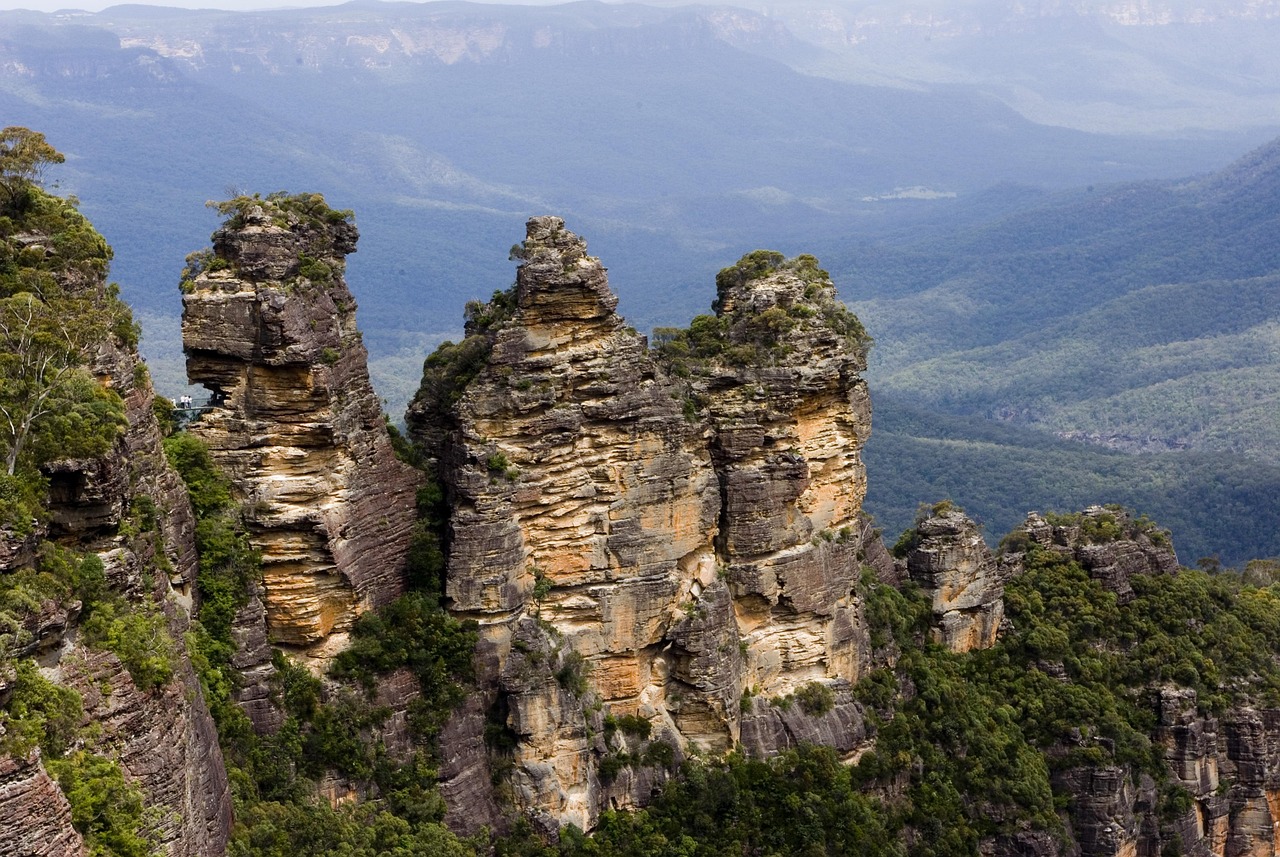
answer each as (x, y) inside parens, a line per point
(649, 538)
(269, 328)
(583, 510)
(947, 557)
(776, 375)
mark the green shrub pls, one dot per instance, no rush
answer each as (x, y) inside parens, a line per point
(22, 499)
(815, 698)
(60, 575)
(801, 802)
(315, 270)
(105, 808)
(633, 724)
(139, 638)
(572, 672)
(413, 632)
(307, 209)
(207, 487)
(752, 266)
(312, 828)
(39, 713)
(659, 754)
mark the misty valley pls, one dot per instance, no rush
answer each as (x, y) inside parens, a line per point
(607, 429)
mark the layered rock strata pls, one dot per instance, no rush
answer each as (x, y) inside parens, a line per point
(964, 581)
(167, 741)
(35, 813)
(129, 508)
(269, 328)
(1227, 768)
(788, 420)
(635, 545)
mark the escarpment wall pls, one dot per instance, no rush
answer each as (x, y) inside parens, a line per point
(269, 328)
(129, 508)
(637, 545)
(165, 738)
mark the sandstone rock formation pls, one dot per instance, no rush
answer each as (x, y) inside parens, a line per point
(269, 329)
(965, 582)
(789, 419)
(642, 545)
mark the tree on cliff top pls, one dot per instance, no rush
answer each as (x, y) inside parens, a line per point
(54, 313)
(24, 156)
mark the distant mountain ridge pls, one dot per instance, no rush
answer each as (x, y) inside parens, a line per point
(1148, 310)
(682, 138)
(1140, 317)
(679, 137)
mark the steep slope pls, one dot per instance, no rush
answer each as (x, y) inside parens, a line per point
(98, 572)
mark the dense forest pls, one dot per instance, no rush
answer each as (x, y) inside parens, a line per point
(968, 747)
(1219, 505)
(1114, 344)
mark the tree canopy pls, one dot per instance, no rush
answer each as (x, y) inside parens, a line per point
(24, 156)
(56, 312)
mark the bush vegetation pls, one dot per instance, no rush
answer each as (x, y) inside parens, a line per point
(802, 802)
(285, 209)
(740, 338)
(105, 808)
(55, 312)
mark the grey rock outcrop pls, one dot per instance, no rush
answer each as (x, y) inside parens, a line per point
(1110, 544)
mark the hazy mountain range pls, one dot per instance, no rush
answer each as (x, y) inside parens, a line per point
(956, 166)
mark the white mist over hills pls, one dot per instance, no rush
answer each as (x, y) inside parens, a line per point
(675, 139)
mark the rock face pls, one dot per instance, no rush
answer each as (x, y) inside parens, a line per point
(269, 329)
(168, 740)
(35, 813)
(953, 565)
(129, 508)
(1252, 768)
(1103, 816)
(1227, 767)
(635, 545)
